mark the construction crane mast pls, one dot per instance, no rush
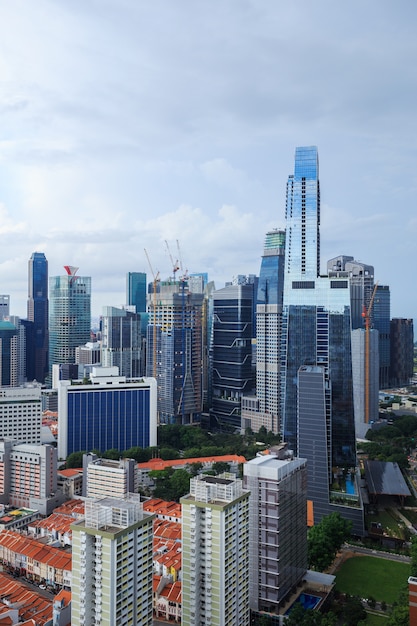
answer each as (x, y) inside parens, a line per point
(366, 314)
(174, 264)
(155, 282)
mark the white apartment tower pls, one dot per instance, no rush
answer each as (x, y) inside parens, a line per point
(215, 542)
(278, 527)
(112, 565)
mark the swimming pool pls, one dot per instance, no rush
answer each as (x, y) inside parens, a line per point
(350, 486)
(307, 601)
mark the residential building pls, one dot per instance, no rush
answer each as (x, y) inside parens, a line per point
(112, 564)
(174, 351)
(278, 531)
(69, 315)
(28, 476)
(21, 414)
(37, 314)
(231, 353)
(402, 352)
(110, 411)
(316, 331)
(121, 340)
(104, 478)
(215, 542)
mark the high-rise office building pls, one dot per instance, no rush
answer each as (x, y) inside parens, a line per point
(232, 374)
(362, 285)
(4, 306)
(121, 340)
(264, 409)
(37, 314)
(112, 564)
(109, 412)
(215, 552)
(365, 375)
(316, 331)
(9, 351)
(174, 351)
(69, 315)
(402, 351)
(136, 290)
(278, 533)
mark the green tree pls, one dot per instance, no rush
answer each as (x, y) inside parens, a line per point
(75, 460)
(113, 454)
(195, 468)
(168, 454)
(221, 466)
(353, 611)
(400, 614)
(141, 455)
(325, 539)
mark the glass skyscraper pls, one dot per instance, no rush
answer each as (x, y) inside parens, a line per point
(69, 315)
(315, 339)
(37, 311)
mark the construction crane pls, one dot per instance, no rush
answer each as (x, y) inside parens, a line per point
(366, 314)
(155, 282)
(174, 264)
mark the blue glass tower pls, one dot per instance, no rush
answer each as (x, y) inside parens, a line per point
(315, 343)
(37, 311)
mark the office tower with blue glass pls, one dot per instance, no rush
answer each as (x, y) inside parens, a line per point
(232, 374)
(316, 365)
(402, 351)
(37, 314)
(69, 315)
(121, 340)
(263, 409)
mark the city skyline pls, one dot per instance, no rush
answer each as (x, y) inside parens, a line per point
(142, 123)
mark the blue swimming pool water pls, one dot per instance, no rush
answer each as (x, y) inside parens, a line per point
(350, 486)
(306, 600)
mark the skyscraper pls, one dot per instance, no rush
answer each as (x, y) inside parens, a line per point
(316, 332)
(69, 315)
(112, 564)
(174, 352)
(231, 352)
(37, 313)
(136, 290)
(121, 340)
(215, 552)
(402, 351)
(9, 350)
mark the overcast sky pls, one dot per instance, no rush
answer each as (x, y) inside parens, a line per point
(125, 123)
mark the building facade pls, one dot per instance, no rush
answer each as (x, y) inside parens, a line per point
(316, 325)
(112, 564)
(231, 353)
(402, 351)
(21, 414)
(106, 478)
(215, 552)
(278, 533)
(109, 412)
(4, 306)
(9, 354)
(69, 315)
(37, 314)
(175, 353)
(121, 340)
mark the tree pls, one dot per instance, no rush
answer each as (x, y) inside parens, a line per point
(299, 616)
(353, 611)
(113, 454)
(141, 455)
(221, 466)
(195, 468)
(75, 460)
(413, 554)
(325, 539)
(168, 454)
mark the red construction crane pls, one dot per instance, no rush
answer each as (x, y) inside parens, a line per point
(366, 314)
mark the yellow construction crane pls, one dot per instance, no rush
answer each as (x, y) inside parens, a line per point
(366, 314)
(155, 282)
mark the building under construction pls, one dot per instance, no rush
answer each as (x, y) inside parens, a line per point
(174, 350)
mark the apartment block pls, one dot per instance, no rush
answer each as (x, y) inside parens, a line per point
(21, 414)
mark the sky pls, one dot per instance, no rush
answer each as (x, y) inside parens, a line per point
(128, 123)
